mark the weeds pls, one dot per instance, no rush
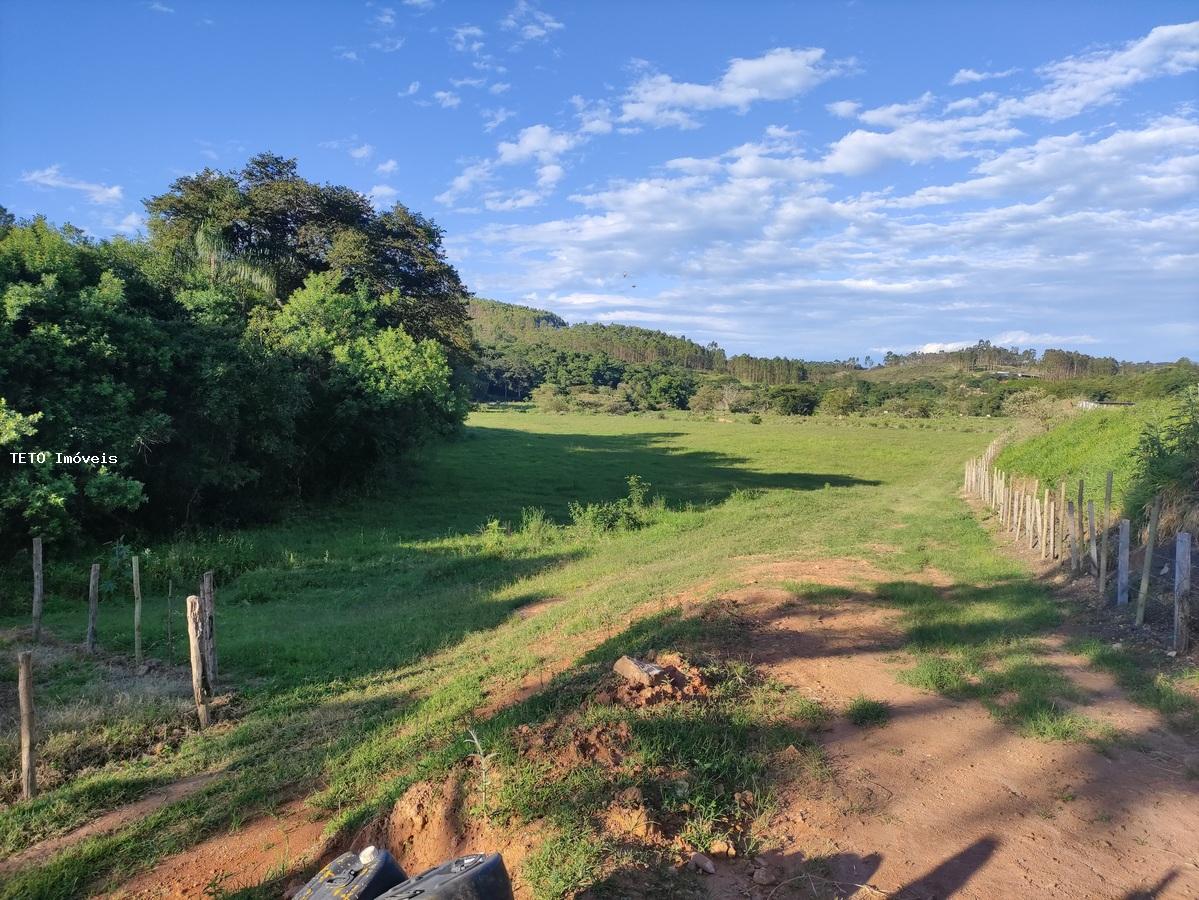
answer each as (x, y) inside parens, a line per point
(867, 713)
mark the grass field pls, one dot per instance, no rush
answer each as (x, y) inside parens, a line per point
(361, 639)
(1088, 446)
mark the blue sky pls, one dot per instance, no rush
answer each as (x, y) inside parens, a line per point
(809, 179)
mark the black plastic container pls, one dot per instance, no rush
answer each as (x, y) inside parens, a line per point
(475, 877)
(354, 876)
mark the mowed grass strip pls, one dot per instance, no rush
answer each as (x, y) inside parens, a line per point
(361, 637)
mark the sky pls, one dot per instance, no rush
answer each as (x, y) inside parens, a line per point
(809, 179)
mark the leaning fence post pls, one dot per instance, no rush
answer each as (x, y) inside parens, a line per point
(38, 589)
(137, 612)
(1147, 568)
(195, 625)
(1122, 564)
(93, 604)
(208, 645)
(1182, 592)
(25, 691)
(1107, 521)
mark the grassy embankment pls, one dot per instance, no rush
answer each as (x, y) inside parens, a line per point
(360, 638)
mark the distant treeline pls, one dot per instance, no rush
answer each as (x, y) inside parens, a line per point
(271, 339)
(521, 347)
(525, 353)
(985, 356)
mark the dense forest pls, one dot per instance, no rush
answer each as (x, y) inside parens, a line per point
(271, 338)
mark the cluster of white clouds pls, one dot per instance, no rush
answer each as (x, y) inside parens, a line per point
(772, 231)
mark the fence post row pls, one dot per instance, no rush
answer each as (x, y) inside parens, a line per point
(1044, 517)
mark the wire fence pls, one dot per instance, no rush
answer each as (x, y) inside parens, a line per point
(1070, 531)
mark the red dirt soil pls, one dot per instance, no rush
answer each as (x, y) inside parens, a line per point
(945, 801)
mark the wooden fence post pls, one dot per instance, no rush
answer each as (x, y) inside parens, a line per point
(170, 639)
(1147, 568)
(38, 589)
(195, 626)
(1107, 523)
(1052, 517)
(1074, 562)
(1182, 592)
(208, 606)
(1061, 512)
(137, 612)
(1094, 546)
(25, 691)
(1122, 564)
(1043, 520)
(1080, 534)
(93, 605)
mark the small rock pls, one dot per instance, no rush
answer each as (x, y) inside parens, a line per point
(638, 671)
(143, 670)
(764, 875)
(701, 863)
(1171, 653)
(722, 848)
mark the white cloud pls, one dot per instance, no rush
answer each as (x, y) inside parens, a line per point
(944, 347)
(843, 109)
(468, 82)
(896, 114)
(969, 76)
(538, 142)
(161, 7)
(385, 17)
(382, 196)
(499, 87)
(464, 38)
(467, 180)
(413, 87)
(52, 177)
(1041, 339)
(347, 54)
(447, 99)
(129, 224)
(494, 118)
(531, 23)
(419, 4)
(779, 74)
(362, 151)
(387, 167)
(387, 44)
(1094, 79)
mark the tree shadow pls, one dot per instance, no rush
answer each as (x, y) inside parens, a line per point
(549, 470)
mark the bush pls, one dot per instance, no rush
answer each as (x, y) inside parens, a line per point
(793, 400)
(841, 401)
